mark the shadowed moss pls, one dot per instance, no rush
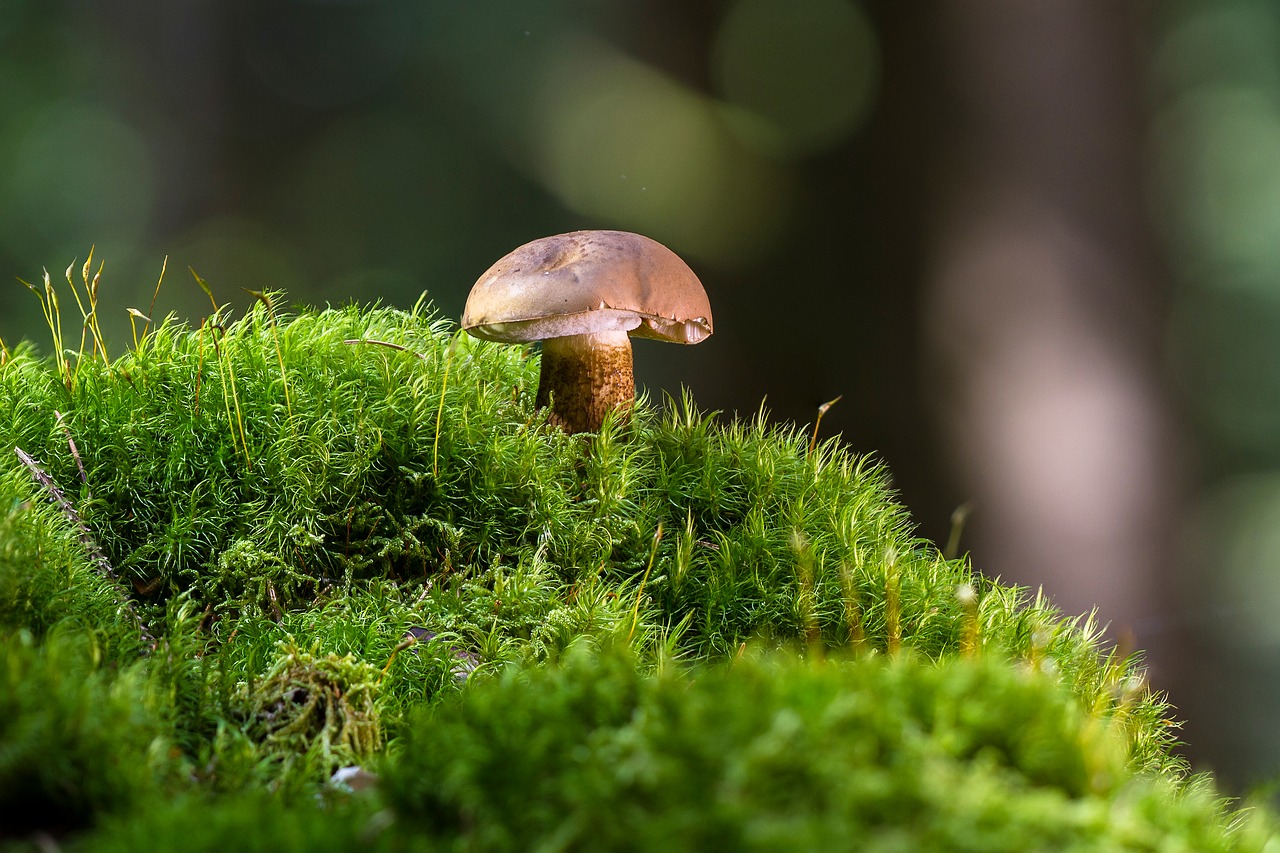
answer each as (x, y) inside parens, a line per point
(772, 753)
(769, 752)
(77, 740)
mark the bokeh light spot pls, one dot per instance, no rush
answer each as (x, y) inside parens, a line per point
(1220, 44)
(1236, 531)
(324, 53)
(380, 192)
(1225, 345)
(622, 142)
(79, 174)
(807, 67)
(229, 254)
(1218, 149)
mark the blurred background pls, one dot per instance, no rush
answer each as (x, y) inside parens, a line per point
(1036, 247)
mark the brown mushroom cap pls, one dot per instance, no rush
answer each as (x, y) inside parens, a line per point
(586, 282)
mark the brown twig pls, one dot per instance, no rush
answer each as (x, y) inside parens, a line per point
(90, 545)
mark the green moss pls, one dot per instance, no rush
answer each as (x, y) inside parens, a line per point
(361, 510)
(773, 753)
(768, 752)
(247, 822)
(46, 576)
(77, 740)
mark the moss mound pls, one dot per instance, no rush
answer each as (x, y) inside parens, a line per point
(772, 753)
(289, 537)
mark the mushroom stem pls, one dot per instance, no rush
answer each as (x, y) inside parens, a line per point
(584, 377)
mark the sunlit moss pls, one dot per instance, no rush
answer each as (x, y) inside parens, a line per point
(326, 538)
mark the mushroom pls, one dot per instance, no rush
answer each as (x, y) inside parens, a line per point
(584, 295)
